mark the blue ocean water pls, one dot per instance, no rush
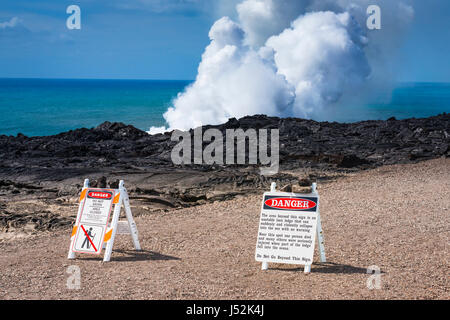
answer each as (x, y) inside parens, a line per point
(405, 100)
(38, 107)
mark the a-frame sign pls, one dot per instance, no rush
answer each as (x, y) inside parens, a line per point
(288, 227)
(93, 230)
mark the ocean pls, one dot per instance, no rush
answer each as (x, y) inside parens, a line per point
(39, 107)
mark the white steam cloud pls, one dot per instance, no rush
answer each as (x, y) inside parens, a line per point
(322, 55)
(283, 58)
(233, 81)
(10, 24)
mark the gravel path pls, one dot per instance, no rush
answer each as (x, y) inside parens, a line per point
(395, 217)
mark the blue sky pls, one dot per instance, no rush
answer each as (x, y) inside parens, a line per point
(164, 39)
(425, 54)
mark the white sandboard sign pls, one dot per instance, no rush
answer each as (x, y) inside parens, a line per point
(94, 218)
(89, 239)
(93, 230)
(287, 229)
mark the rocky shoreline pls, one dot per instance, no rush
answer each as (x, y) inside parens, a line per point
(51, 169)
(303, 143)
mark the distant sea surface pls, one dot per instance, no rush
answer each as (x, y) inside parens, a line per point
(39, 107)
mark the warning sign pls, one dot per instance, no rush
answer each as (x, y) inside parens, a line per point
(287, 228)
(94, 218)
(97, 206)
(93, 229)
(89, 239)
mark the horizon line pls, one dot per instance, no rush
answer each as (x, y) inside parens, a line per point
(112, 79)
(190, 80)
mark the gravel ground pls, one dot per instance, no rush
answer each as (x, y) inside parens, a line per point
(394, 217)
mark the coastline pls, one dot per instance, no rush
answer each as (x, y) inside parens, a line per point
(68, 104)
(53, 168)
(376, 179)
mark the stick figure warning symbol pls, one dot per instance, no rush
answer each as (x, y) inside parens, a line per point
(89, 239)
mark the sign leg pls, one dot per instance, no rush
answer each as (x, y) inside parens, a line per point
(114, 221)
(71, 254)
(319, 230)
(131, 223)
(108, 227)
(320, 239)
(273, 188)
(308, 268)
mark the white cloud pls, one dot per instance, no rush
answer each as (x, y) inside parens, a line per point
(10, 24)
(233, 81)
(287, 58)
(263, 18)
(322, 56)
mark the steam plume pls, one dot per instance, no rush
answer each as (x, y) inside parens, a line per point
(286, 58)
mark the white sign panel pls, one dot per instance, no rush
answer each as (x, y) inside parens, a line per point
(97, 206)
(89, 239)
(94, 218)
(287, 228)
(123, 227)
